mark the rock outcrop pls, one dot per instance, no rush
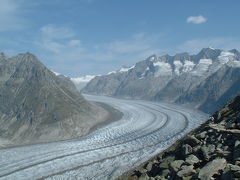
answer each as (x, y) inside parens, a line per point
(38, 106)
(211, 151)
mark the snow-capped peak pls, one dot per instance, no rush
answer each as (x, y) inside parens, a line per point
(225, 56)
(125, 69)
(84, 79)
(112, 72)
(81, 82)
(56, 73)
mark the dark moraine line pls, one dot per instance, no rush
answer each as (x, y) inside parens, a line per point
(79, 152)
(111, 157)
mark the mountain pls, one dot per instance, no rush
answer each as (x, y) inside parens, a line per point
(38, 106)
(206, 80)
(211, 151)
(81, 82)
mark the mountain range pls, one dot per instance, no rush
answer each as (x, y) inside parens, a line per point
(38, 106)
(205, 81)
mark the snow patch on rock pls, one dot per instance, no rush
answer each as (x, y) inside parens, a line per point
(202, 67)
(162, 69)
(188, 66)
(225, 56)
(126, 69)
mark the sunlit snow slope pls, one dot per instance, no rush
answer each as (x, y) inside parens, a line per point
(145, 129)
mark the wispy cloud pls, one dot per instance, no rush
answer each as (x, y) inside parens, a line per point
(56, 32)
(196, 19)
(194, 45)
(70, 54)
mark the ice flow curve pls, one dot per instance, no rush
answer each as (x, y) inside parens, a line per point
(145, 129)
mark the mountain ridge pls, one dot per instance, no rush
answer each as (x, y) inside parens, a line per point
(38, 106)
(168, 78)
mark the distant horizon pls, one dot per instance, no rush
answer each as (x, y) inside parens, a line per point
(87, 76)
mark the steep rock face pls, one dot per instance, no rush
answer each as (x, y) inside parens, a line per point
(215, 91)
(38, 106)
(183, 78)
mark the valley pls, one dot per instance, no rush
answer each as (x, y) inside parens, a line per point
(145, 129)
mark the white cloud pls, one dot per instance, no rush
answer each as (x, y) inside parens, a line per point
(196, 19)
(62, 46)
(57, 32)
(194, 45)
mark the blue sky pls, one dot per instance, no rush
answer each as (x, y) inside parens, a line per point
(80, 37)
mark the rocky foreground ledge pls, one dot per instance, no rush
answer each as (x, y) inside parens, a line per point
(211, 151)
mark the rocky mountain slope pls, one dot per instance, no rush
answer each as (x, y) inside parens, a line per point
(205, 81)
(38, 106)
(211, 151)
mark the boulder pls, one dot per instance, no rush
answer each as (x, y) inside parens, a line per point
(233, 167)
(192, 159)
(206, 151)
(166, 161)
(201, 135)
(144, 177)
(149, 166)
(211, 168)
(186, 149)
(192, 141)
(186, 171)
(165, 173)
(175, 165)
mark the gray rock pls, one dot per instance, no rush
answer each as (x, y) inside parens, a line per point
(165, 173)
(212, 168)
(222, 153)
(237, 163)
(207, 151)
(175, 165)
(149, 166)
(202, 135)
(192, 159)
(237, 144)
(166, 161)
(143, 171)
(186, 171)
(233, 167)
(186, 149)
(144, 177)
(192, 141)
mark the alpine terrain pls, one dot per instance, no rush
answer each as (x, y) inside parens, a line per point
(205, 81)
(38, 106)
(211, 151)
